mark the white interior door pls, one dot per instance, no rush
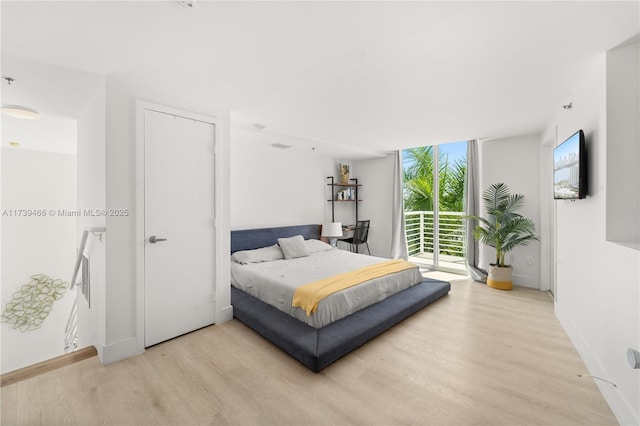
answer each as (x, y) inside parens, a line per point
(179, 201)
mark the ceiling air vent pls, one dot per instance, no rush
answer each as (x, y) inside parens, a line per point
(188, 3)
(280, 146)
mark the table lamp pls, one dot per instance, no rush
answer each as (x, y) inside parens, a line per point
(332, 230)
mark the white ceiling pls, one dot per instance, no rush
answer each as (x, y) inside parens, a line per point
(373, 75)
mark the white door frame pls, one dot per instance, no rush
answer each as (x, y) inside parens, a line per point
(222, 304)
(547, 220)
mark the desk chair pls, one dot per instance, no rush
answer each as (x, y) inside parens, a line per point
(360, 236)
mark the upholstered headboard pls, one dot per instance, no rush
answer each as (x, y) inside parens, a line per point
(247, 239)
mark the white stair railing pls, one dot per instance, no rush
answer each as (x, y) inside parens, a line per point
(71, 330)
(85, 234)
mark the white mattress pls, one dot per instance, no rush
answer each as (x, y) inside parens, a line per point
(275, 282)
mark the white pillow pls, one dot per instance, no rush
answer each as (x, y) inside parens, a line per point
(265, 254)
(293, 247)
(315, 246)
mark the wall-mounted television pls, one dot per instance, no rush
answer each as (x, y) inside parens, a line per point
(570, 168)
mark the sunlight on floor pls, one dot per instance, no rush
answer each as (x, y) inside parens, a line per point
(441, 275)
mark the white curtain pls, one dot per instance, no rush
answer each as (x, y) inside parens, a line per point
(398, 238)
(472, 206)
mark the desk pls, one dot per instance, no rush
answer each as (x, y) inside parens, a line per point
(347, 232)
(347, 229)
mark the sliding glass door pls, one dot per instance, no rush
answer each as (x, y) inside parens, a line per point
(433, 196)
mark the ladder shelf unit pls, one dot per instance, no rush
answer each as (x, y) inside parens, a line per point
(336, 189)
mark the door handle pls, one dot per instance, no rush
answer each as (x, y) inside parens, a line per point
(153, 239)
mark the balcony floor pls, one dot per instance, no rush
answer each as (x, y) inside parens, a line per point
(454, 264)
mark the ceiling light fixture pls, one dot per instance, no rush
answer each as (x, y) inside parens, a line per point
(17, 111)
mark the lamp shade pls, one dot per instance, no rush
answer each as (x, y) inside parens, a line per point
(332, 229)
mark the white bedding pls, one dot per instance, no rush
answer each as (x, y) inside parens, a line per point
(275, 282)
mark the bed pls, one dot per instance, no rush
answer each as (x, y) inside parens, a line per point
(316, 345)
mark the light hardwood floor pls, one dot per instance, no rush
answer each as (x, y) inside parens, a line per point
(477, 356)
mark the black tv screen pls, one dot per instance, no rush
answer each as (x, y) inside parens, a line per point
(570, 168)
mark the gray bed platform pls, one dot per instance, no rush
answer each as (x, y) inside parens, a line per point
(317, 348)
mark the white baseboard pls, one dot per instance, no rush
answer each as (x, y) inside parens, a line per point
(224, 314)
(117, 351)
(618, 404)
(525, 281)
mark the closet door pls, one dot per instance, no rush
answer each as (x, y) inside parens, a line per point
(179, 201)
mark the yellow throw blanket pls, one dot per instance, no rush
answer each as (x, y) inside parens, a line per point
(309, 295)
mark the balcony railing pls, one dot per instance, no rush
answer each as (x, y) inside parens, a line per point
(419, 231)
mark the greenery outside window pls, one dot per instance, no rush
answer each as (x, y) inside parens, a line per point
(434, 224)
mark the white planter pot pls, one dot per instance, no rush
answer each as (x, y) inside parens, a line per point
(500, 277)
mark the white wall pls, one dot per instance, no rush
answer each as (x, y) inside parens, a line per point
(597, 282)
(276, 187)
(623, 146)
(36, 245)
(515, 162)
(376, 177)
(91, 196)
(123, 305)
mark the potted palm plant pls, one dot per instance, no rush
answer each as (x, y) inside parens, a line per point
(503, 229)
